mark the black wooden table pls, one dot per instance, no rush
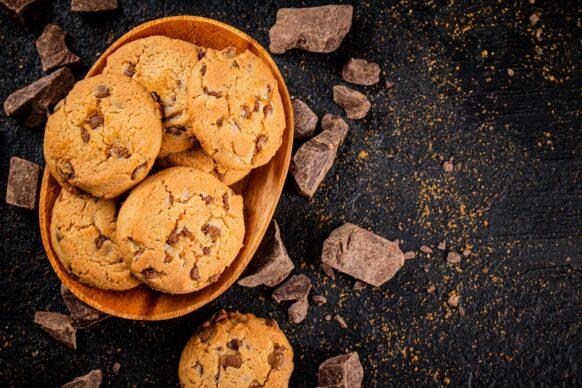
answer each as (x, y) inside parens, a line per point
(514, 198)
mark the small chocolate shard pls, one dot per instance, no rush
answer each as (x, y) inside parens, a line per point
(305, 119)
(277, 357)
(119, 151)
(231, 361)
(267, 109)
(53, 50)
(101, 91)
(354, 103)
(295, 288)
(23, 180)
(315, 158)
(453, 258)
(234, 344)
(362, 254)
(442, 246)
(129, 70)
(425, 249)
(361, 72)
(93, 5)
(315, 29)
(90, 380)
(336, 125)
(319, 300)
(205, 332)
(358, 285)
(82, 315)
(389, 85)
(116, 368)
(454, 299)
(212, 93)
(96, 120)
(208, 199)
(34, 101)
(448, 166)
(58, 326)
(211, 230)
(297, 312)
(409, 255)
(340, 321)
(343, 371)
(271, 264)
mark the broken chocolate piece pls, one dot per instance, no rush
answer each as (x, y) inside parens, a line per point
(319, 300)
(271, 264)
(295, 288)
(82, 315)
(354, 103)
(340, 321)
(362, 254)
(314, 159)
(90, 380)
(36, 100)
(22, 183)
(93, 5)
(337, 125)
(316, 29)
(298, 311)
(231, 360)
(305, 119)
(53, 50)
(58, 326)
(344, 371)
(361, 72)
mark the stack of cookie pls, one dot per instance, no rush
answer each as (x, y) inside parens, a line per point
(202, 119)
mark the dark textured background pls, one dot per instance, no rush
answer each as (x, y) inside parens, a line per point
(516, 199)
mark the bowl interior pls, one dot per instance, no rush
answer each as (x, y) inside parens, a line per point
(261, 189)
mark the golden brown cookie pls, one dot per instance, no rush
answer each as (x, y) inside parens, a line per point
(104, 137)
(83, 235)
(196, 157)
(179, 229)
(239, 351)
(236, 108)
(162, 65)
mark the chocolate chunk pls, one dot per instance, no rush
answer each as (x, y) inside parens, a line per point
(336, 125)
(58, 326)
(234, 344)
(129, 70)
(298, 311)
(340, 321)
(101, 91)
(36, 100)
(361, 72)
(82, 315)
(118, 151)
(90, 380)
(23, 9)
(319, 300)
(22, 183)
(52, 49)
(232, 361)
(96, 120)
(316, 29)
(305, 119)
(277, 357)
(260, 143)
(344, 371)
(205, 332)
(362, 254)
(295, 288)
(354, 103)
(93, 5)
(314, 159)
(271, 264)
(453, 258)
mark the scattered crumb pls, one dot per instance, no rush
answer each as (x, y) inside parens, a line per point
(448, 166)
(425, 249)
(340, 321)
(453, 258)
(534, 18)
(116, 367)
(359, 285)
(442, 246)
(327, 317)
(409, 255)
(453, 300)
(510, 72)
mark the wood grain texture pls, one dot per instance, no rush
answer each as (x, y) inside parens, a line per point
(261, 189)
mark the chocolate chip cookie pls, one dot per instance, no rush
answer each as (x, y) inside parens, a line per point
(179, 229)
(237, 350)
(104, 137)
(83, 235)
(162, 65)
(236, 108)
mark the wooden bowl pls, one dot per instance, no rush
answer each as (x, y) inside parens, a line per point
(261, 189)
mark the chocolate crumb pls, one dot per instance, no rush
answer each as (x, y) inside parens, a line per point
(328, 270)
(448, 166)
(425, 249)
(319, 300)
(358, 285)
(454, 298)
(442, 246)
(389, 85)
(409, 255)
(116, 367)
(467, 252)
(340, 321)
(453, 258)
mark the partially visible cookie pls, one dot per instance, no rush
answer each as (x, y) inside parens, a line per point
(179, 229)
(162, 65)
(237, 350)
(83, 235)
(196, 157)
(236, 108)
(104, 137)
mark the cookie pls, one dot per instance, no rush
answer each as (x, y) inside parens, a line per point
(237, 350)
(196, 157)
(162, 65)
(83, 236)
(104, 137)
(236, 109)
(179, 229)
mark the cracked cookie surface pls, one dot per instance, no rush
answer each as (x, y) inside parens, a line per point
(83, 235)
(104, 137)
(237, 350)
(179, 229)
(197, 158)
(162, 65)
(236, 108)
